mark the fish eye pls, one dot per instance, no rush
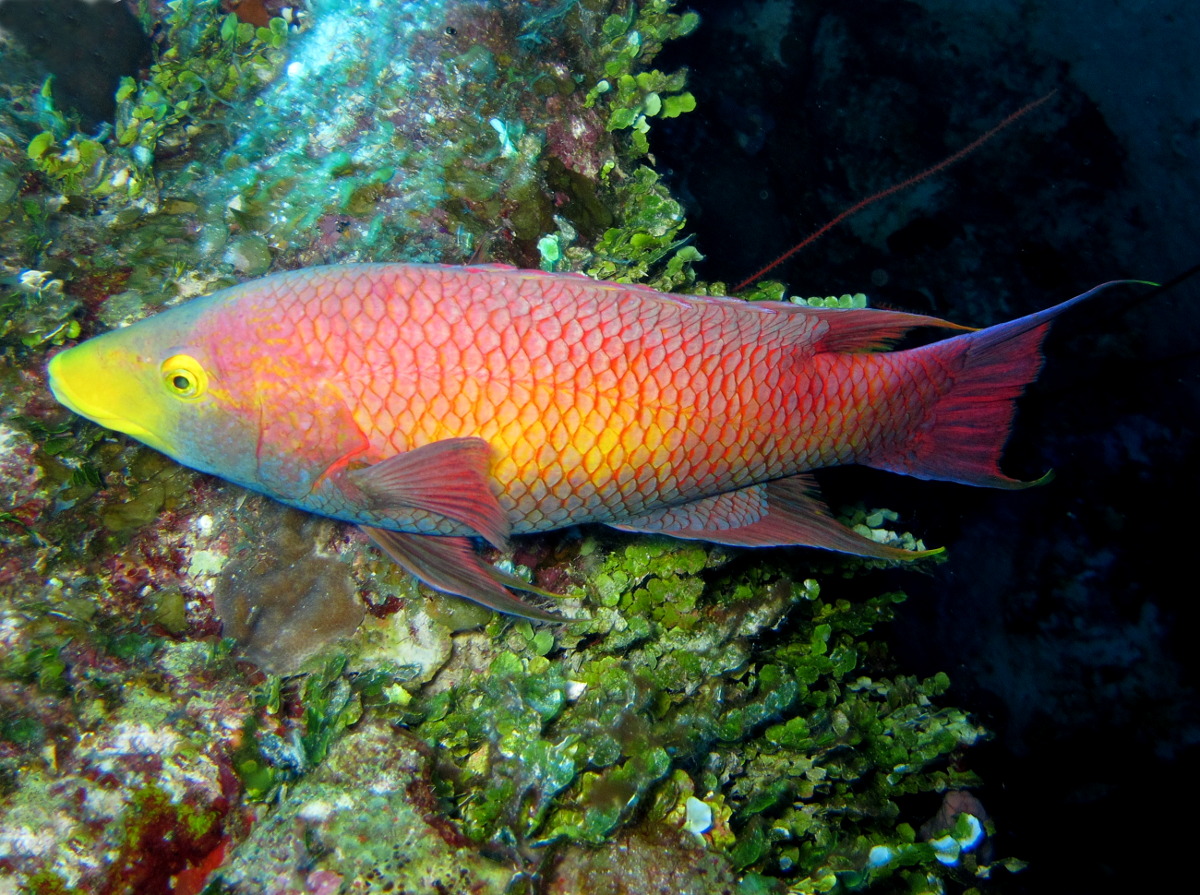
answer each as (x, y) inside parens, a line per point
(184, 376)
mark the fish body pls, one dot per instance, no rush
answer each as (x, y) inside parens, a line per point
(432, 403)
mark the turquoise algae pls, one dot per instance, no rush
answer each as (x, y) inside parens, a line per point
(713, 717)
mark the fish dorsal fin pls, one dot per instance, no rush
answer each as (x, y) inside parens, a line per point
(451, 477)
(859, 330)
(298, 440)
(785, 512)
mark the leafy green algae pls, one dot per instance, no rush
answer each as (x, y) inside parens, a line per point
(635, 708)
(351, 824)
(210, 61)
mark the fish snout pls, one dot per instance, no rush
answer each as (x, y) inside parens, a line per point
(97, 386)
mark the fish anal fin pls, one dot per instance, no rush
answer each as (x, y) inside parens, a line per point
(450, 477)
(705, 519)
(451, 565)
(785, 512)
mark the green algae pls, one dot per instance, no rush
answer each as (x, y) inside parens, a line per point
(635, 232)
(265, 760)
(40, 665)
(648, 94)
(647, 245)
(158, 483)
(575, 737)
(210, 61)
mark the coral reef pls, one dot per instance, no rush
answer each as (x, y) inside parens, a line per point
(374, 789)
(112, 779)
(710, 714)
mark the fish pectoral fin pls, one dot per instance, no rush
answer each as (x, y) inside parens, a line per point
(450, 477)
(451, 565)
(785, 512)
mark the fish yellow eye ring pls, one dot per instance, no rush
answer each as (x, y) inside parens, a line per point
(184, 377)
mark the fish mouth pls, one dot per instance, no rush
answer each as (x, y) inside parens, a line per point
(95, 412)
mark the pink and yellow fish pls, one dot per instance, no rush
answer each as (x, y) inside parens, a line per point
(430, 404)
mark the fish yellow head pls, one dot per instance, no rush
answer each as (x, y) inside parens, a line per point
(119, 390)
(164, 382)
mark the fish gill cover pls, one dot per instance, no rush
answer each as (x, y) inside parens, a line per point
(714, 719)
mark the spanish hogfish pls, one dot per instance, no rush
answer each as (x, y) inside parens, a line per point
(430, 404)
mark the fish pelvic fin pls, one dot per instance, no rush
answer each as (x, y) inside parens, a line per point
(962, 435)
(786, 512)
(451, 565)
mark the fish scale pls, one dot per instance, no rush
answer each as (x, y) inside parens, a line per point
(429, 403)
(629, 385)
(480, 352)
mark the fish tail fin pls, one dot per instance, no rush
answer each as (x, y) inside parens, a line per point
(962, 435)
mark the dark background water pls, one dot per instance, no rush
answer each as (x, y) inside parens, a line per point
(1065, 613)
